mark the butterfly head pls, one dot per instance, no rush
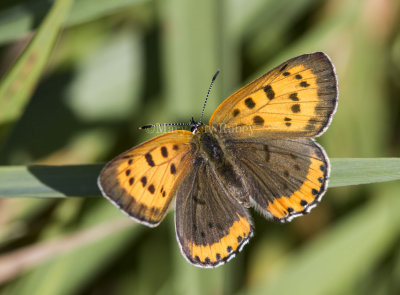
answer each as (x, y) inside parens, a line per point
(194, 126)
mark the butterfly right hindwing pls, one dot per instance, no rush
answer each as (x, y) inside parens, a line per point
(287, 177)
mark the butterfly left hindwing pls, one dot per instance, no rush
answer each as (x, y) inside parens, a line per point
(211, 226)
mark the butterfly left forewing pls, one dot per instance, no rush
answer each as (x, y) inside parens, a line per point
(297, 98)
(142, 181)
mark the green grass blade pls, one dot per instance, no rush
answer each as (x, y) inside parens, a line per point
(17, 21)
(80, 180)
(49, 181)
(351, 171)
(17, 85)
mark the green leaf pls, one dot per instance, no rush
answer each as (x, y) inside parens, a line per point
(18, 84)
(81, 180)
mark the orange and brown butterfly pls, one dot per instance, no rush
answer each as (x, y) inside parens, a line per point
(257, 151)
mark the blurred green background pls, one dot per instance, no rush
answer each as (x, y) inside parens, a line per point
(117, 65)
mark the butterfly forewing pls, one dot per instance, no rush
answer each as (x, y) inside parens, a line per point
(211, 227)
(297, 98)
(142, 181)
(287, 177)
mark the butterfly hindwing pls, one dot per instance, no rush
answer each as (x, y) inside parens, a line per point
(287, 177)
(297, 98)
(211, 226)
(142, 181)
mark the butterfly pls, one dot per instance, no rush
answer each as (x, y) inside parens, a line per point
(257, 151)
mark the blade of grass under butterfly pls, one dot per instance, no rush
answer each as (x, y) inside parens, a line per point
(49, 181)
(18, 20)
(80, 180)
(18, 84)
(351, 171)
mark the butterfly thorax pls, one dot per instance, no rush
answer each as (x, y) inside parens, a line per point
(210, 151)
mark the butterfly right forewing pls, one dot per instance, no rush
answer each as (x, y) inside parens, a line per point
(295, 99)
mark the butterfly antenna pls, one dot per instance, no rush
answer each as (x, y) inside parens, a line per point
(164, 124)
(208, 93)
(193, 124)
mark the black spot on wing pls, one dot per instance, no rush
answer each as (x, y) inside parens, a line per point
(294, 96)
(295, 108)
(258, 120)
(151, 189)
(304, 84)
(149, 159)
(164, 151)
(311, 124)
(173, 168)
(144, 181)
(269, 92)
(283, 68)
(249, 102)
(287, 121)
